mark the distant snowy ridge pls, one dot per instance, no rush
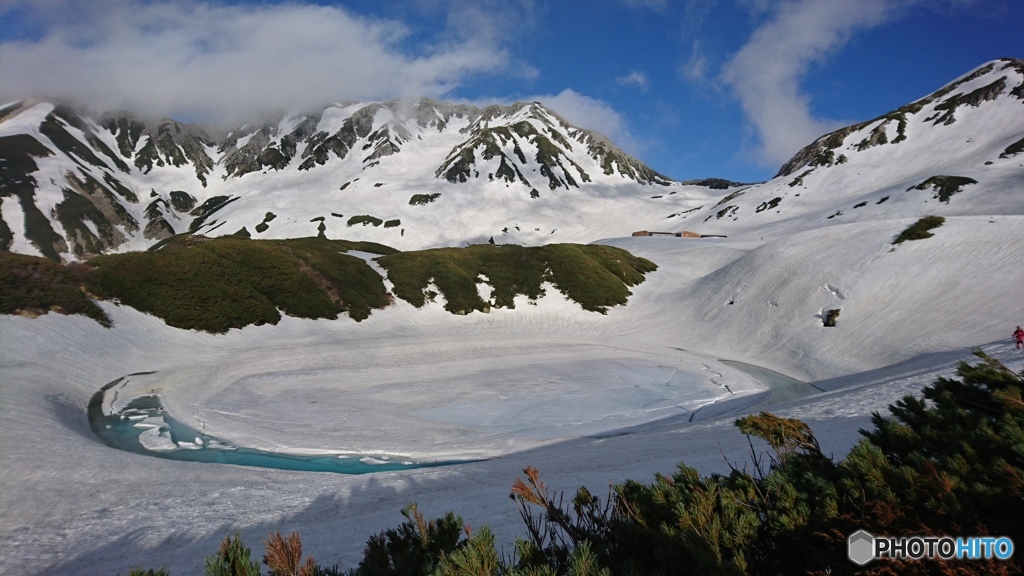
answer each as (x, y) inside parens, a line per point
(584, 397)
(411, 174)
(421, 174)
(958, 151)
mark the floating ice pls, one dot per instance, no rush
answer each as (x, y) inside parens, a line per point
(157, 440)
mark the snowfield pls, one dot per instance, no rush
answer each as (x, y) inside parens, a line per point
(587, 399)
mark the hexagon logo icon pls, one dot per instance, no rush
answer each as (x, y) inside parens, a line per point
(861, 547)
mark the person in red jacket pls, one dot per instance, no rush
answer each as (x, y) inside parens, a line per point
(1019, 335)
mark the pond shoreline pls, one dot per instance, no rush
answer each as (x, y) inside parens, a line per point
(779, 389)
(143, 426)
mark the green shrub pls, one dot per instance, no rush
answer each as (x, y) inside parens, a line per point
(920, 230)
(594, 276)
(194, 282)
(33, 285)
(139, 571)
(233, 559)
(223, 283)
(421, 199)
(945, 186)
(476, 557)
(949, 463)
(364, 220)
(414, 547)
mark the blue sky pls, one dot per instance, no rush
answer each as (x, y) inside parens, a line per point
(695, 88)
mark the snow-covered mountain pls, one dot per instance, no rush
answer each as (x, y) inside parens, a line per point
(584, 397)
(425, 173)
(957, 151)
(409, 174)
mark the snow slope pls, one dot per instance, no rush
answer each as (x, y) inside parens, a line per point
(436, 174)
(873, 170)
(767, 306)
(430, 173)
(584, 397)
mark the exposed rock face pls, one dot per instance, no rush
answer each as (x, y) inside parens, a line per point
(72, 186)
(106, 165)
(938, 108)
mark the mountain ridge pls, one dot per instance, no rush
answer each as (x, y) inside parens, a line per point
(897, 165)
(421, 173)
(113, 161)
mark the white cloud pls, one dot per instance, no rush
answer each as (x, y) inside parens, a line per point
(634, 78)
(593, 114)
(579, 110)
(766, 73)
(695, 69)
(656, 5)
(208, 60)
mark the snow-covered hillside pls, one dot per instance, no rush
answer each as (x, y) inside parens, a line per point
(408, 174)
(767, 305)
(424, 174)
(957, 151)
(586, 398)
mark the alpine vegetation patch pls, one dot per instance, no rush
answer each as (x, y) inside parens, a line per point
(364, 219)
(945, 186)
(594, 276)
(215, 284)
(31, 286)
(1013, 149)
(920, 230)
(222, 283)
(422, 199)
(263, 226)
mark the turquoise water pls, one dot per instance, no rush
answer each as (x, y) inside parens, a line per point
(783, 388)
(120, 431)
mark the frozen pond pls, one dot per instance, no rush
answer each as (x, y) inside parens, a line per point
(143, 426)
(315, 407)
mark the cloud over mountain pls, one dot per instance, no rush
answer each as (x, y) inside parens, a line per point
(593, 114)
(766, 73)
(200, 60)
